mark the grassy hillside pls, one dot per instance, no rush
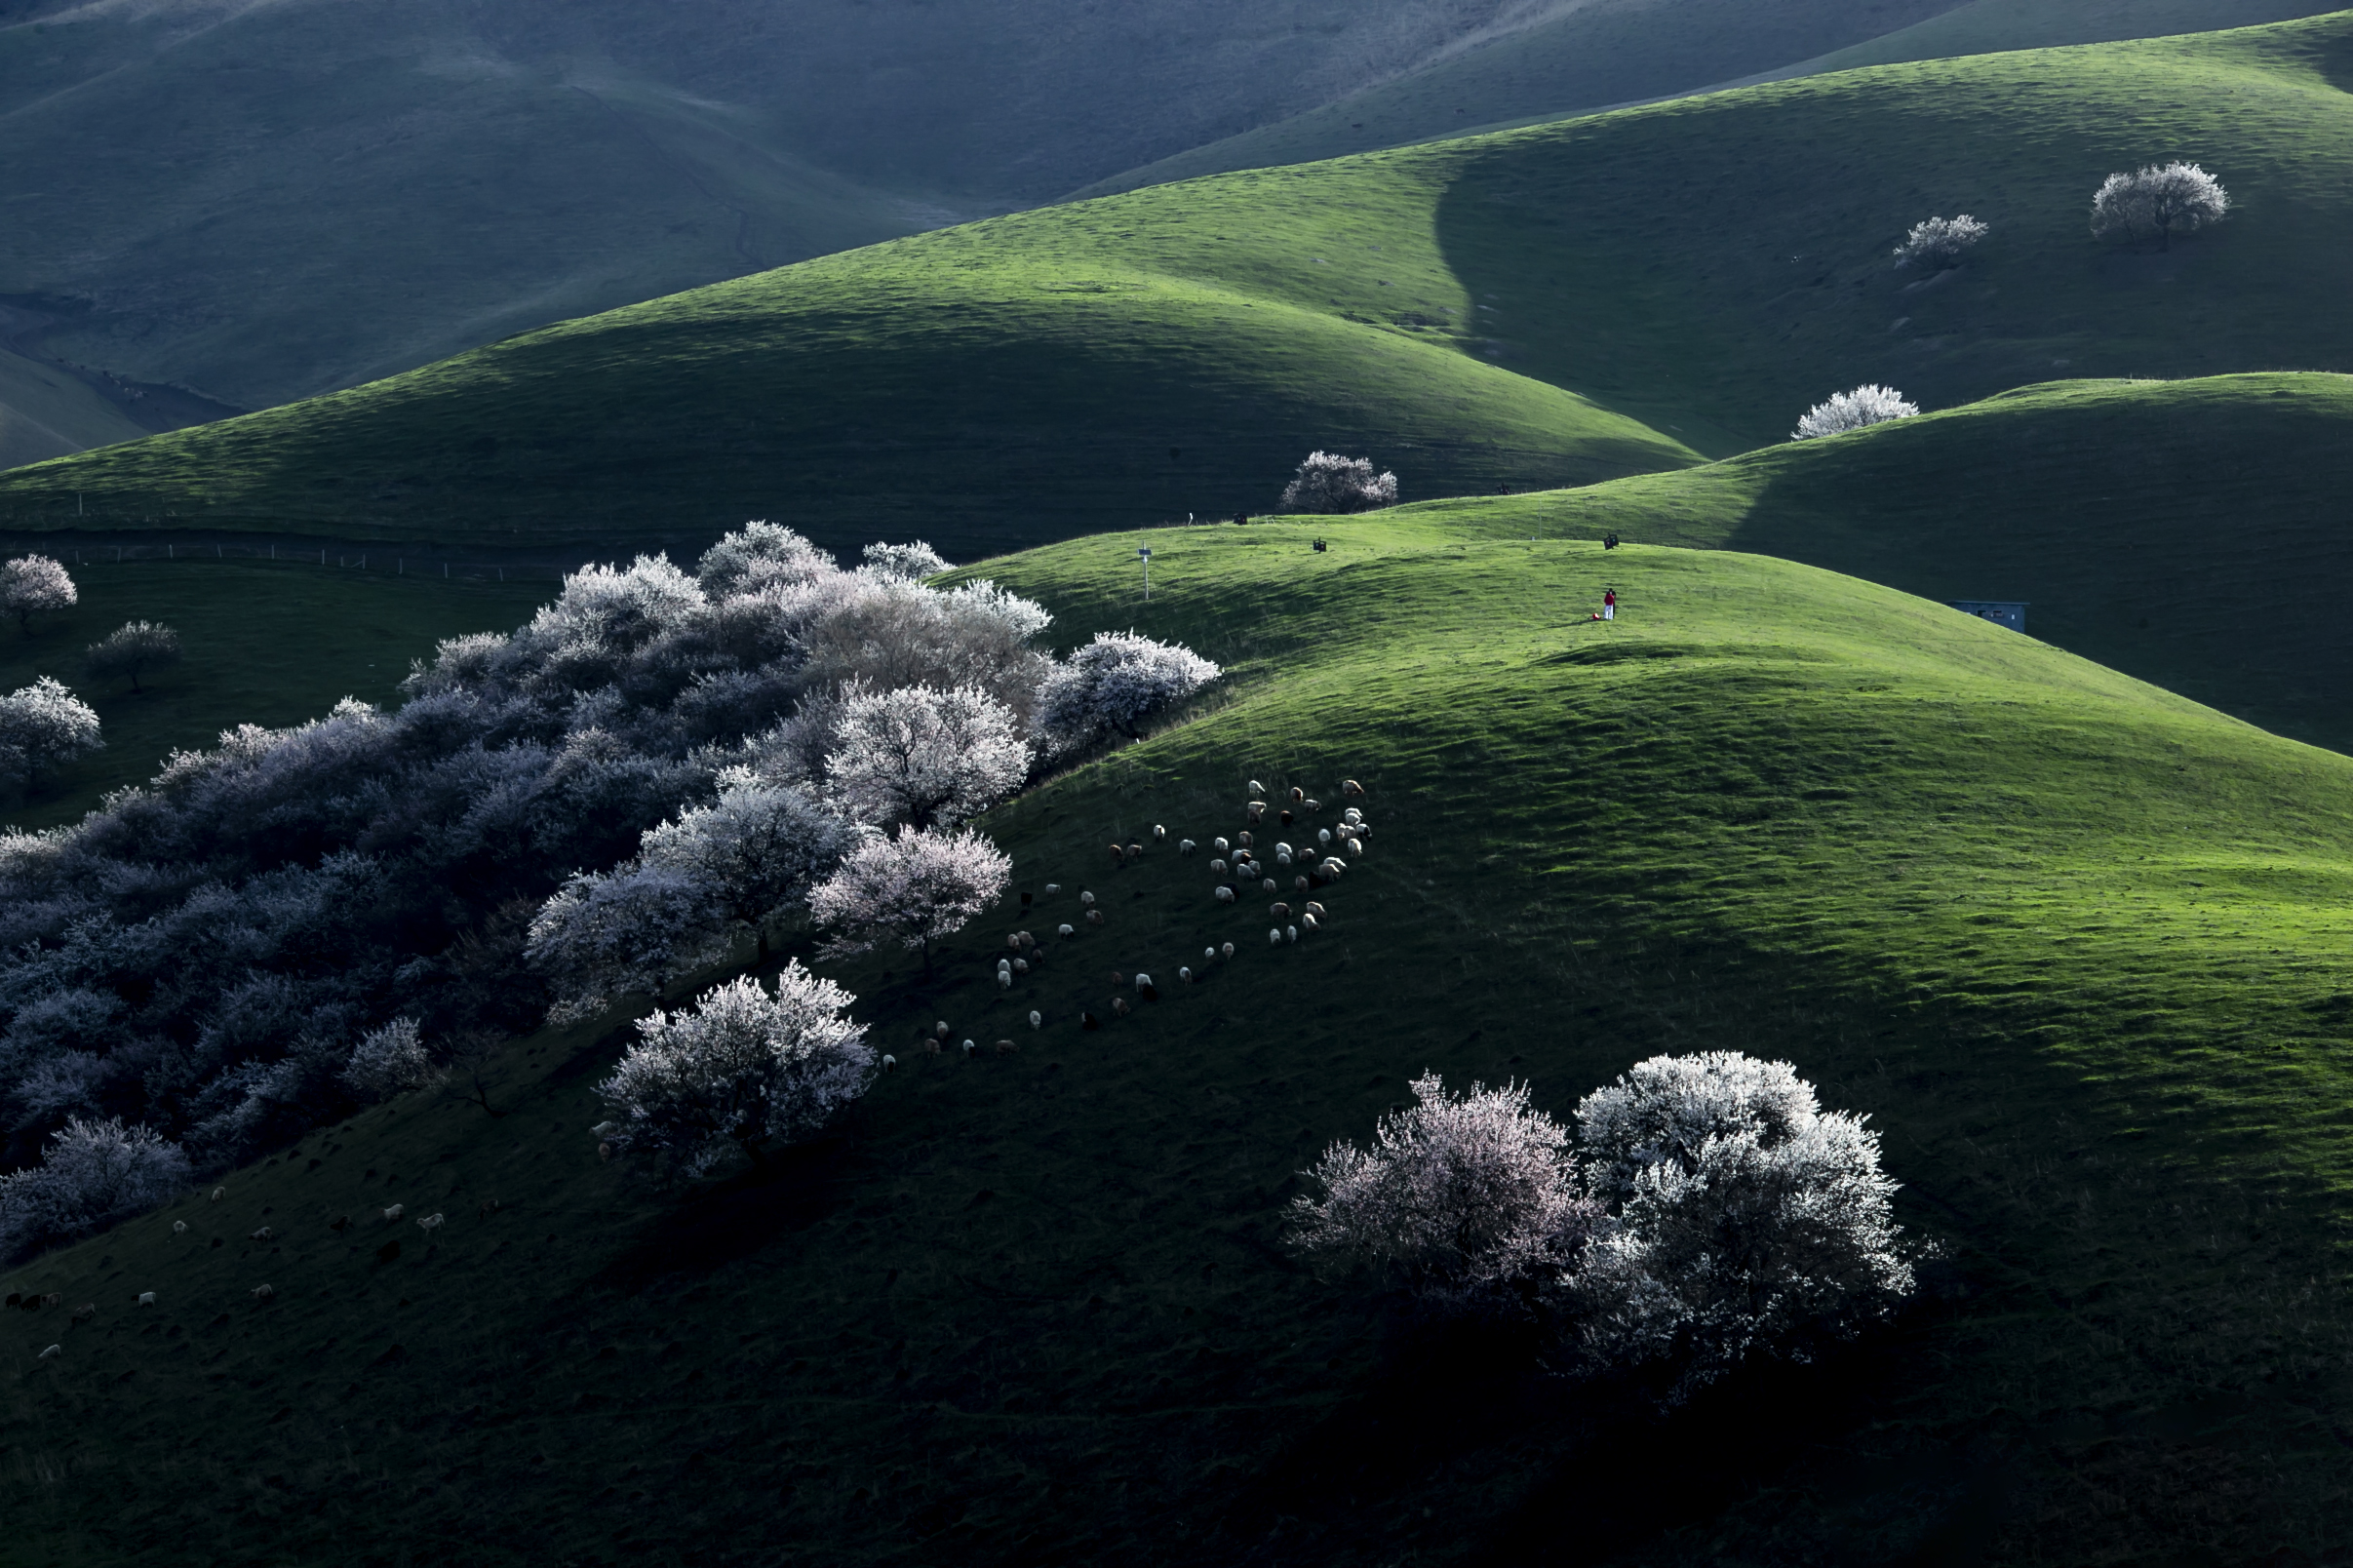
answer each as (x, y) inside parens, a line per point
(267, 645)
(1986, 26)
(45, 412)
(2076, 943)
(2191, 534)
(1512, 309)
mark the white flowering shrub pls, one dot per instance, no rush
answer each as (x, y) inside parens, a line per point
(761, 555)
(909, 562)
(2158, 202)
(912, 888)
(1114, 683)
(1938, 242)
(132, 650)
(42, 726)
(1327, 481)
(742, 1070)
(92, 1174)
(33, 584)
(1842, 412)
(390, 1061)
(925, 756)
(1465, 1198)
(1748, 1220)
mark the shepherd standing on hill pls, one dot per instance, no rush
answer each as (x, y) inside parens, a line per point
(1609, 604)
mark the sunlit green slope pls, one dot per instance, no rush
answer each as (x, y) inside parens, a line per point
(1534, 308)
(2076, 943)
(2193, 533)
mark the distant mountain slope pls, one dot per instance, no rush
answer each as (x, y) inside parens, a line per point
(1556, 305)
(46, 412)
(2192, 533)
(1623, 50)
(263, 201)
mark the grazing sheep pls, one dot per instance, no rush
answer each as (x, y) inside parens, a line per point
(1186, 847)
(968, 1049)
(1184, 975)
(1227, 950)
(1354, 846)
(1217, 867)
(1021, 966)
(1285, 817)
(1037, 1019)
(1149, 991)
(1119, 1007)
(1053, 887)
(1004, 978)
(1255, 810)
(1246, 840)
(1118, 979)
(1094, 916)
(941, 1028)
(179, 1227)
(263, 1234)
(1308, 922)
(1351, 815)
(56, 1298)
(264, 1293)
(1135, 851)
(1315, 805)
(1209, 954)
(1290, 933)
(1159, 834)
(147, 1298)
(1282, 854)
(86, 1311)
(1014, 940)
(1273, 936)
(394, 1213)
(1280, 912)
(890, 1064)
(1256, 788)
(1088, 1020)
(1224, 894)
(1299, 885)
(220, 1192)
(1066, 929)
(1348, 786)
(1315, 909)
(1086, 900)
(1296, 795)
(1219, 845)
(430, 1223)
(1323, 837)
(54, 1349)
(1005, 1047)
(931, 1047)
(1116, 855)
(1267, 886)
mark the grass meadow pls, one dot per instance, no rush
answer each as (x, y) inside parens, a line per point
(2076, 944)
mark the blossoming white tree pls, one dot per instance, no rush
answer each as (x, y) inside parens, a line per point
(1938, 242)
(390, 1060)
(131, 649)
(913, 889)
(740, 1070)
(1748, 1219)
(698, 883)
(1463, 1197)
(1327, 481)
(910, 563)
(2158, 202)
(925, 756)
(93, 1172)
(33, 584)
(760, 555)
(44, 725)
(1113, 684)
(1868, 405)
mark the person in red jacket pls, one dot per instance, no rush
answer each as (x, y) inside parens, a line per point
(1609, 604)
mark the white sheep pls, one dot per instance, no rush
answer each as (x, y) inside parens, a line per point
(1037, 1019)
(1053, 887)
(1267, 886)
(1066, 928)
(1220, 845)
(941, 1030)
(220, 1192)
(891, 1063)
(1226, 951)
(1184, 976)
(1348, 786)
(1351, 816)
(1086, 900)
(1323, 837)
(1186, 847)
(1143, 983)
(263, 1234)
(1159, 834)
(147, 1298)
(968, 1048)
(1209, 954)
(1282, 854)
(1308, 922)
(1290, 933)
(265, 1292)
(1256, 788)
(1217, 867)
(179, 1227)
(1224, 894)
(54, 1349)
(395, 1212)
(430, 1223)
(1273, 936)
(1021, 966)
(1004, 978)
(1354, 846)
(1094, 916)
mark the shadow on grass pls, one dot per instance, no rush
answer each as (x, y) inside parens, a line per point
(789, 1191)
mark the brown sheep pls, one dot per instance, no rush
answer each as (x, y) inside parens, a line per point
(1349, 787)
(1118, 854)
(1296, 795)
(1135, 851)
(1119, 1006)
(1280, 912)
(1094, 916)
(1299, 885)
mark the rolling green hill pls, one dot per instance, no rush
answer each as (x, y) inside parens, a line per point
(2076, 943)
(1532, 308)
(2192, 533)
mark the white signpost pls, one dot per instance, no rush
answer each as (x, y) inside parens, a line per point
(1145, 555)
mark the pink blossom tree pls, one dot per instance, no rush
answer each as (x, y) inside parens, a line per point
(912, 889)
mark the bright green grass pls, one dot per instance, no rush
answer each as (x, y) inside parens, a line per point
(267, 645)
(2192, 533)
(2078, 945)
(1500, 309)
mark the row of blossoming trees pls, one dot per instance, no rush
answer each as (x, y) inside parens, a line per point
(645, 776)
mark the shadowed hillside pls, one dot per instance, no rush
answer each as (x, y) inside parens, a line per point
(2074, 942)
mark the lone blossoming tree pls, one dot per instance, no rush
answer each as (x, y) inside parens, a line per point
(42, 726)
(390, 1060)
(1327, 481)
(33, 584)
(925, 756)
(1465, 1198)
(1938, 242)
(1113, 684)
(1842, 412)
(912, 889)
(132, 650)
(736, 1073)
(92, 1173)
(2157, 203)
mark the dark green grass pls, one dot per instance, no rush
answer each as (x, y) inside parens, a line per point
(266, 644)
(1538, 307)
(2193, 533)
(2077, 944)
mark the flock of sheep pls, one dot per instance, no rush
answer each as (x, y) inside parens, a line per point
(1310, 864)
